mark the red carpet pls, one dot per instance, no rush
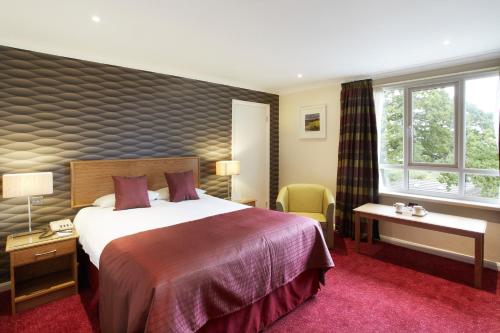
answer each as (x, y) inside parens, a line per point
(387, 289)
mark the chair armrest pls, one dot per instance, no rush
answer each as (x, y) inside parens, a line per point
(329, 212)
(328, 201)
(282, 200)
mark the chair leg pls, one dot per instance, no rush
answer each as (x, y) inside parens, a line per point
(329, 236)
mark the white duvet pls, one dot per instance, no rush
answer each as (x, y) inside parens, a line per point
(99, 226)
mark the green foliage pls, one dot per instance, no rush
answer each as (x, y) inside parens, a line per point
(481, 146)
(395, 177)
(489, 185)
(420, 175)
(434, 137)
(392, 127)
(481, 149)
(448, 179)
(433, 127)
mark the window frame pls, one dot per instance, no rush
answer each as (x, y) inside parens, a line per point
(458, 80)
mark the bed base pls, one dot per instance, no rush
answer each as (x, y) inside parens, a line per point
(254, 317)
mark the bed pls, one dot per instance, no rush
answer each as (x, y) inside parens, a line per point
(204, 265)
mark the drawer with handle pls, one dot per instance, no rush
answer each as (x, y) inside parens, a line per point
(42, 252)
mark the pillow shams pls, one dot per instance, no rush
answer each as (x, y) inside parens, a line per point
(131, 192)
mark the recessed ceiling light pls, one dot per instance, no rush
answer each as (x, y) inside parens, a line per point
(96, 18)
(299, 76)
(446, 42)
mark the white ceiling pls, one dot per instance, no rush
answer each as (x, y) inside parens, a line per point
(257, 44)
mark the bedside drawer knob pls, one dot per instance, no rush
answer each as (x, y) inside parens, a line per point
(45, 253)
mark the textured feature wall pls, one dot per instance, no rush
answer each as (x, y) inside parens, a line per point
(55, 109)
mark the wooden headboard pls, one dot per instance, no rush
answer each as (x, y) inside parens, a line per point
(92, 178)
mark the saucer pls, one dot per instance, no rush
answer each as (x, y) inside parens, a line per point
(419, 215)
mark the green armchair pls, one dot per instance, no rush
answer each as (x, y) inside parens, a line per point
(310, 200)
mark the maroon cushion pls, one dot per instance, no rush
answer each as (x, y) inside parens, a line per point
(131, 192)
(181, 186)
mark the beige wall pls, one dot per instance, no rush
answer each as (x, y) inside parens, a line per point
(315, 161)
(311, 160)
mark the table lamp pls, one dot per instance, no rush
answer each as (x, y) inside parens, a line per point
(227, 168)
(26, 185)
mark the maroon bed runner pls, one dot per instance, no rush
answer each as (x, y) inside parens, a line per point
(175, 279)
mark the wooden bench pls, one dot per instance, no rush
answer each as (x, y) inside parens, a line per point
(456, 225)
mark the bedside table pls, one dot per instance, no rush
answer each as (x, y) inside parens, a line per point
(41, 269)
(248, 202)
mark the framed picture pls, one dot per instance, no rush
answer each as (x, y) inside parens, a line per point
(312, 122)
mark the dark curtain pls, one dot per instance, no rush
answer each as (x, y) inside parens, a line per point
(357, 173)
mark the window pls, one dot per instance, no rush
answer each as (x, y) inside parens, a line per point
(433, 112)
(440, 137)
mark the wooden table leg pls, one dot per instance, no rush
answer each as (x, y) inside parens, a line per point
(369, 227)
(12, 288)
(357, 230)
(478, 260)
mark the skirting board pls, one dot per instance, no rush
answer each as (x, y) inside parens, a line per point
(438, 252)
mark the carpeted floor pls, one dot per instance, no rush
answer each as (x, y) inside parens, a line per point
(386, 289)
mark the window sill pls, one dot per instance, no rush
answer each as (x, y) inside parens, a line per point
(452, 202)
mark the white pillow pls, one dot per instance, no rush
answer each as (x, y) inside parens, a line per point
(108, 200)
(153, 195)
(165, 195)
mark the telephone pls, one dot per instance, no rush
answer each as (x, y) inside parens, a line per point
(61, 225)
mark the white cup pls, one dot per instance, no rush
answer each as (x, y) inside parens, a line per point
(419, 210)
(399, 207)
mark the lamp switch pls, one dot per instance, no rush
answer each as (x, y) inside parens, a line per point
(37, 201)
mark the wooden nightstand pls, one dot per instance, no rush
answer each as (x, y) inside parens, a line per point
(248, 202)
(41, 269)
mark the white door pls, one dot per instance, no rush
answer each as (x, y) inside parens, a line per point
(250, 146)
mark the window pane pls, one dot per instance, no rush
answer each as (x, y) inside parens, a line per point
(480, 186)
(433, 181)
(392, 178)
(391, 141)
(433, 128)
(481, 123)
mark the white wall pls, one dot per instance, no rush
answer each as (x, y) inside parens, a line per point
(315, 161)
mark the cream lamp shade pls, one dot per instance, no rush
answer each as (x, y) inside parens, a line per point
(27, 184)
(227, 168)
